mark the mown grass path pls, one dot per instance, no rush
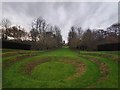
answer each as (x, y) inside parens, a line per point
(47, 69)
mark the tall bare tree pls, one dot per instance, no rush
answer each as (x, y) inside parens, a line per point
(16, 32)
(6, 23)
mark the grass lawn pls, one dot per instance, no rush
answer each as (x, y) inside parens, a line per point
(60, 68)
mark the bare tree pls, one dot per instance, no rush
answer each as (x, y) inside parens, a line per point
(58, 35)
(49, 36)
(16, 32)
(34, 34)
(74, 37)
(88, 39)
(5, 24)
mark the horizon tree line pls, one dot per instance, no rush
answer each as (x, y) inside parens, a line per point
(90, 39)
(41, 36)
(45, 36)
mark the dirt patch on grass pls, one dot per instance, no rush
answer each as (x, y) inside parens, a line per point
(11, 61)
(104, 70)
(116, 58)
(4, 55)
(111, 57)
(105, 55)
(27, 68)
(0, 55)
(80, 67)
(103, 67)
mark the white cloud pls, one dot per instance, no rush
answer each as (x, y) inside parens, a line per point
(63, 14)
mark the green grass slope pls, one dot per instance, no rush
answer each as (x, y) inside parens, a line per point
(61, 68)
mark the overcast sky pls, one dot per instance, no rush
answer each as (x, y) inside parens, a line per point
(63, 14)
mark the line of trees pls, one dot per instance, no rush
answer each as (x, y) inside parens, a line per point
(45, 36)
(41, 36)
(89, 39)
(9, 32)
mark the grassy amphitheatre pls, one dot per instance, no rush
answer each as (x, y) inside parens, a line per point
(61, 68)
